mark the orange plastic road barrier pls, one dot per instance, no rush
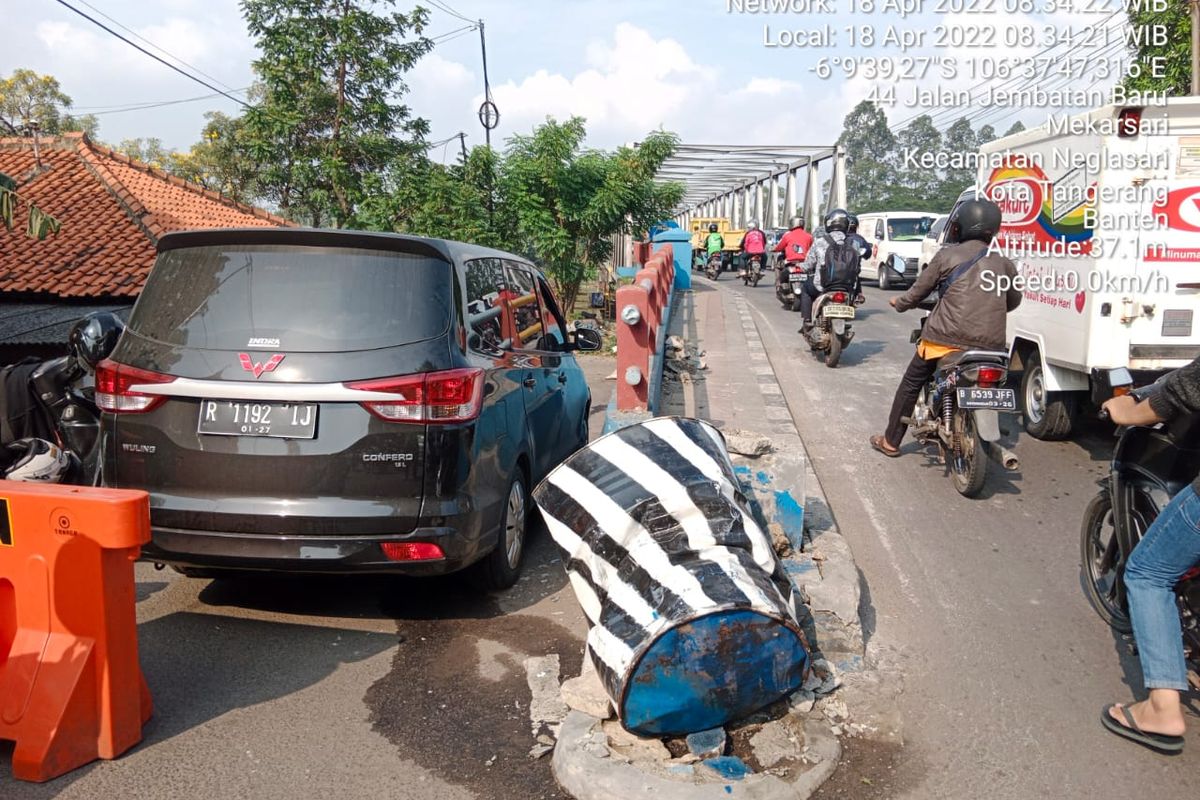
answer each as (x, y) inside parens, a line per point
(71, 688)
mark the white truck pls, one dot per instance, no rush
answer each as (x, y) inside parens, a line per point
(1101, 214)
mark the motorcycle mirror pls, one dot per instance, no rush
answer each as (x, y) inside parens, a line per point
(897, 263)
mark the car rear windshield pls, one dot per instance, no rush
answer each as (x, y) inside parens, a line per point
(908, 229)
(302, 299)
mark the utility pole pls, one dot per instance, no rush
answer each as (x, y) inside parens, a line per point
(489, 115)
(1195, 4)
(462, 140)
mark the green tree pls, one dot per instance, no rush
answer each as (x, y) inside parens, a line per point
(1015, 128)
(149, 151)
(870, 157)
(458, 202)
(959, 138)
(27, 97)
(986, 134)
(915, 187)
(331, 121)
(1175, 55)
(221, 160)
(568, 201)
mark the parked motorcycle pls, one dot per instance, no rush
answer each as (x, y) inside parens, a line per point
(959, 411)
(789, 278)
(1149, 467)
(831, 329)
(52, 424)
(752, 271)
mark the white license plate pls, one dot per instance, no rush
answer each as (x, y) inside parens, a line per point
(838, 312)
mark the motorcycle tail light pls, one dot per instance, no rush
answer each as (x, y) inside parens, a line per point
(115, 391)
(989, 377)
(839, 297)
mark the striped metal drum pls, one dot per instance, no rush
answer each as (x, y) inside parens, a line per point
(693, 621)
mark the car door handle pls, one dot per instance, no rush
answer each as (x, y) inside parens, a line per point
(529, 383)
(562, 377)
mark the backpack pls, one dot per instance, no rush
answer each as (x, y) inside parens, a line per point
(841, 267)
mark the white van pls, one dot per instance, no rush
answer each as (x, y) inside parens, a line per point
(1102, 218)
(899, 232)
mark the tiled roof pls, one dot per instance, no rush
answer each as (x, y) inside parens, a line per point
(113, 210)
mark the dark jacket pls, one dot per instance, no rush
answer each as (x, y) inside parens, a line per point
(1180, 395)
(972, 313)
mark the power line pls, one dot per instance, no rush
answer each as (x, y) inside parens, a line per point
(136, 35)
(444, 7)
(99, 111)
(454, 34)
(143, 50)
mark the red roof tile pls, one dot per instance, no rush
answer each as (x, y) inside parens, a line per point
(113, 210)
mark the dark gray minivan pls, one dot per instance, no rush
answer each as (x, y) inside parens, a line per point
(334, 401)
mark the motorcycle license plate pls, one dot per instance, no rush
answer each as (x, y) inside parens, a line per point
(241, 418)
(996, 399)
(838, 312)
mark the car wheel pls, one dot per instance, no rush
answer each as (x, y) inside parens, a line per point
(500, 568)
(885, 280)
(1049, 416)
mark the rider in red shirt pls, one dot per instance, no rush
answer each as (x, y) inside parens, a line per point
(795, 243)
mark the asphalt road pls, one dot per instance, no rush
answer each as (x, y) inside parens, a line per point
(978, 602)
(369, 687)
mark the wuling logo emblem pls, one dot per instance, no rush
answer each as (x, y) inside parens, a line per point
(258, 368)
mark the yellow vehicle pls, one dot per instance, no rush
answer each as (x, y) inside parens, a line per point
(699, 226)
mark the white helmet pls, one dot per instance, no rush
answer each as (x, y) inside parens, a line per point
(37, 461)
(753, 226)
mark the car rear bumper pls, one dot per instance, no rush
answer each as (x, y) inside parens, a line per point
(462, 544)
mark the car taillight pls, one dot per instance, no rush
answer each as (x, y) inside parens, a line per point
(114, 388)
(838, 297)
(411, 551)
(990, 376)
(452, 396)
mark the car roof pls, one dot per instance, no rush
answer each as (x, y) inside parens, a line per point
(443, 249)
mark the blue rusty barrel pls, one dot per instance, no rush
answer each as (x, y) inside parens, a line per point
(693, 622)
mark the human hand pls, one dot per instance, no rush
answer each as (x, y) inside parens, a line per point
(892, 302)
(1120, 409)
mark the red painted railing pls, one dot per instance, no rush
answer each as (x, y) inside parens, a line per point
(641, 313)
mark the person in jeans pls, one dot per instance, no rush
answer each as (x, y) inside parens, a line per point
(1170, 548)
(968, 315)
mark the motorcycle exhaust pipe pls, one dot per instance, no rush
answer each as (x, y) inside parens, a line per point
(1004, 457)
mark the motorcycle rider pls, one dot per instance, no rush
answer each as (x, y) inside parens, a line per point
(865, 249)
(1170, 548)
(754, 243)
(966, 315)
(837, 225)
(795, 243)
(715, 243)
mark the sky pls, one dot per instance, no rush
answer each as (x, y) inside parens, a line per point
(700, 68)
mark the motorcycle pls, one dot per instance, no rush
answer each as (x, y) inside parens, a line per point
(959, 411)
(752, 272)
(1150, 465)
(56, 392)
(831, 331)
(713, 268)
(789, 279)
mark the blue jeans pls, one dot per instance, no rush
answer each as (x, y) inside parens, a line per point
(1169, 549)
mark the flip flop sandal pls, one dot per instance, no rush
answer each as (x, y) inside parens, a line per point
(877, 443)
(1131, 731)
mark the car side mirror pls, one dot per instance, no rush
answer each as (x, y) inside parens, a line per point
(587, 340)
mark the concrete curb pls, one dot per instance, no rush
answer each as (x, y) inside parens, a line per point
(586, 767)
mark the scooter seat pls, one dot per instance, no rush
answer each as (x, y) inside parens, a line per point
(960, 357)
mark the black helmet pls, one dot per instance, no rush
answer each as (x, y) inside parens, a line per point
(94, 337)
(853, 226)
(977, 219)
(796, 222)
(837, 220)
(712, 227)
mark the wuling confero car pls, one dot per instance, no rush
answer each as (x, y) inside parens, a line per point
(333, 401)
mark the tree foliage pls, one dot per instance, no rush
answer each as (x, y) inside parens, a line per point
(568, 200)
(27, 97)
(881, 178)
(330, 122)
(1176, 54)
